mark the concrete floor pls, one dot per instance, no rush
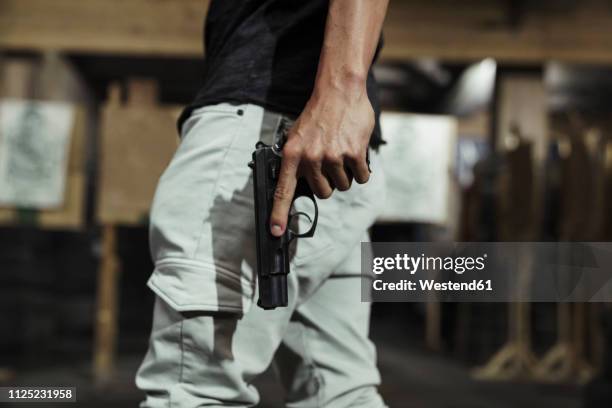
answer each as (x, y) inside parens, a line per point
(411, 378)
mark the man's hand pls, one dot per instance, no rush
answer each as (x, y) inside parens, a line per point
(327, 146)
(329, 141)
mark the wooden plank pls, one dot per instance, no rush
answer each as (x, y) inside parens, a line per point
(106, 325)
(6, 375)
(138, 140)
(155, 27)
(522, 130)
(477, 29)
(445, 29)
(433, 324)
(524, 114)
(16, 76)
(475, 126)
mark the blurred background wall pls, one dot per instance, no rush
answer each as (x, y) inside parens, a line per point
(498, 127)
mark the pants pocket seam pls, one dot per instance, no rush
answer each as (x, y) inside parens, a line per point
(216, 186)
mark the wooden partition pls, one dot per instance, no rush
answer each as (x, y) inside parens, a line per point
(137, 140)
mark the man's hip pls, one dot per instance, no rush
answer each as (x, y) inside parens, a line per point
(202, 220)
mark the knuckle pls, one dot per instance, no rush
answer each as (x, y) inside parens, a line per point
(333, 159)
(312, 157)
(358, 152)
(353, 161)
(291, 152)
(281, 194)
(355, 155)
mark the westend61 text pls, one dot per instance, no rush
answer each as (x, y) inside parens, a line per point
(432, 285)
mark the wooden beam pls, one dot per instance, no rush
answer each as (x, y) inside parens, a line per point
(143, 27)
(475, 29)
(445, 29)
(106, 325)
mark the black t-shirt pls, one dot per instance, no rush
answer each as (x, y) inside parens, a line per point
(266, 52)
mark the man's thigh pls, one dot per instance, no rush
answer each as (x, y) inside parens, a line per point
(326, 358)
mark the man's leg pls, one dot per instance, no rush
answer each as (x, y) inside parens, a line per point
(208, 359)
(326, 358)
(208, 341)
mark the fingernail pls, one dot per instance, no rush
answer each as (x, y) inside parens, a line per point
(277, 230)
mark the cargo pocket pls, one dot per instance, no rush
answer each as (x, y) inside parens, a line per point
(189, 286)
(188, 274)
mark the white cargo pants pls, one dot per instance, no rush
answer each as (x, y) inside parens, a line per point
(209, 340)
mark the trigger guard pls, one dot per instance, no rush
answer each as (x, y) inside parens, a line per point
(297, 214)
(313, 223)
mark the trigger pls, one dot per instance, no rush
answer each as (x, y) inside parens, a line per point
(297, 214)
(294, 234)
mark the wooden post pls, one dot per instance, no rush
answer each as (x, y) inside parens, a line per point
(522, 133)
(433, 321)
(6, 375)
(582, 221)
(136, 138)
(107, 307)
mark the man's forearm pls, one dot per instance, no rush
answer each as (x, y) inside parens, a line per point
(328, 143)
(351, 37)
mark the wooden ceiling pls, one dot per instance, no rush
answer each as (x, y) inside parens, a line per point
(508, 30)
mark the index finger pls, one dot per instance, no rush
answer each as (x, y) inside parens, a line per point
(283, 195)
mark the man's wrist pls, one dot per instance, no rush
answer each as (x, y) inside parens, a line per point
(349, 84)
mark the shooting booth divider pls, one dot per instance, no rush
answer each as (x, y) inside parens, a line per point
(44, 120)
(524, 134)
(137, 140)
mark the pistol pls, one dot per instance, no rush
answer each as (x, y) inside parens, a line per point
(273, 252)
